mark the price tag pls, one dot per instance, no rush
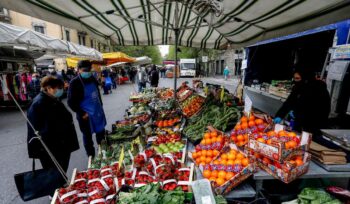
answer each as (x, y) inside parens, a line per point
(206, 90)
(121, 157)
(248, 104)
(279, 127)
(206, 200)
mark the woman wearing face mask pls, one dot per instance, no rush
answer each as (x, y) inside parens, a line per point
(309, 102)
(54, 123)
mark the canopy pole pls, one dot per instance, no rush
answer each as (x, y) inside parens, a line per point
(176, 32)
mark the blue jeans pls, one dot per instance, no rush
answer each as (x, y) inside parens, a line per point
(142, 86)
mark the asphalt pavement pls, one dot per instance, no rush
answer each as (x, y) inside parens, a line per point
(13, 130)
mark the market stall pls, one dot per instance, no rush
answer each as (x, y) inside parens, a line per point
(201, 145)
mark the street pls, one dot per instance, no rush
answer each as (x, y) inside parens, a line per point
(13, 148)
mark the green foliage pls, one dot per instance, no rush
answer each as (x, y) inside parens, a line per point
(139, 51)
(186, 53)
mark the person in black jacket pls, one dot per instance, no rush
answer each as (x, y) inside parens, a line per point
(154, 77)
(309, 101)
(54, 123)
(84, 99)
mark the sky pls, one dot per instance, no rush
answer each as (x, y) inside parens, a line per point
(164, 49)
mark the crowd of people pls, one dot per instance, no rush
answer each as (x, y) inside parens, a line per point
(53, 121)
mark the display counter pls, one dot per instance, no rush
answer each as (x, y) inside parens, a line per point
(264, 101)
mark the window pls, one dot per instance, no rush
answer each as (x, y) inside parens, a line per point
(92, 43)
(99, 46)
(81, 38)
(39, 28)
(68, 35)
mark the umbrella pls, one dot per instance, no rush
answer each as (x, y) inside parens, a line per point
(114, 57)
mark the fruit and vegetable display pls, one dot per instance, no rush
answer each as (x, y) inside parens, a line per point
(152, 155)
(219, 117)
(314, 196)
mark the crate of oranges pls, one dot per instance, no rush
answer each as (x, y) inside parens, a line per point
(228, 170)
(278, 144)
(295, 165)
(255, 123)
(209, 148)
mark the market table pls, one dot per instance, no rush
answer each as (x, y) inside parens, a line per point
(315, 171)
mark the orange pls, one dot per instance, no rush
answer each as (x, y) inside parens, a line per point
(292, 162)
(207, 141)
(207, 135)
(269, 141)
(230, 162)
(194, 155)
(161, 124)
(216, 152)
(214, 174)
(165, 124)
(244, 119)
(245, 137)
(223, 162)
(206, 174)
(199, 153)
(231, 156)
(299, 158)
(229, 175)
(238, 161)
(240, 138)
(261, 140)
(210, 153)
(240, 144)
(245, 162)
(204, 152)
(198, 161)
(202, 158)
(259, 121)
(224, 156)
(286, 145)
(214, 134)
(251, 117)
(238, 127)
(299, 162)
(251, 123)
(208, 160)
(292, 134)
(216, 162)
(292, 144)
(257, 155)
(266, 160)
(282, 133)
(244, 125)
(233, 151)
(202, 163)
(203, 142)
(220, 181)
(212, 179)
(271, 133)
(239, 156)
(222, 174)
(220, 139)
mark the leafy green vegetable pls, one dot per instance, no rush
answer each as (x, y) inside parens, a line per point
(219, 199)
(316, 196)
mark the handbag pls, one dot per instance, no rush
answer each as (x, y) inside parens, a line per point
(38, 183)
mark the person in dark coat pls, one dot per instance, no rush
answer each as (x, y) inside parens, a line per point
(34, 86)
(310, 103)
(84, 99)
(54, 124)
(154, 77)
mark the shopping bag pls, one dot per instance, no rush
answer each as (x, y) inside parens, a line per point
(38, 183)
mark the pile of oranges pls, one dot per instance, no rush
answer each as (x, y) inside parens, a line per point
(295, 161)
(246, 125)
(231, 158)
(167, 123)
(203, 157)
(290, 139)
(211, 138)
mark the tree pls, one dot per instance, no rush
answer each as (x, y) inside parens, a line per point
(139, 51)
(186, 53)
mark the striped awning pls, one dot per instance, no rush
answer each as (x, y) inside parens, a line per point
(201, 23)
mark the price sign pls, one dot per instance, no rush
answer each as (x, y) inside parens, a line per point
(121, 157)
(248, 104)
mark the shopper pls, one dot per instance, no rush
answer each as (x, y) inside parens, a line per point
(54, 123)
(162, 72)
(154, 76)
(226, 72)
(84, 98)
(141, 79)
(309, 102)
(34, 86)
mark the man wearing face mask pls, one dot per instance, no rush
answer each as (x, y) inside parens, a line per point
(309, 102)
(84, 98)
(34, 86)
(54, 123)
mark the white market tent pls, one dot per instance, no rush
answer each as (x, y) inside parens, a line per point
(201, 23)
(29, 40)
(138, 61)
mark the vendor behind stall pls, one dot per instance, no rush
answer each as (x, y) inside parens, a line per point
(309, 103)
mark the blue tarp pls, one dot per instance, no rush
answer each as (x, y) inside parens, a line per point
(341, 27)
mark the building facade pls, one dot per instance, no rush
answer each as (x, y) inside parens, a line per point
(52, 30)
(231, 58)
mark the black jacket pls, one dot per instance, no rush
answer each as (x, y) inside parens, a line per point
(310, 103)
(154, 77)
(76, 93)
(54, 123)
